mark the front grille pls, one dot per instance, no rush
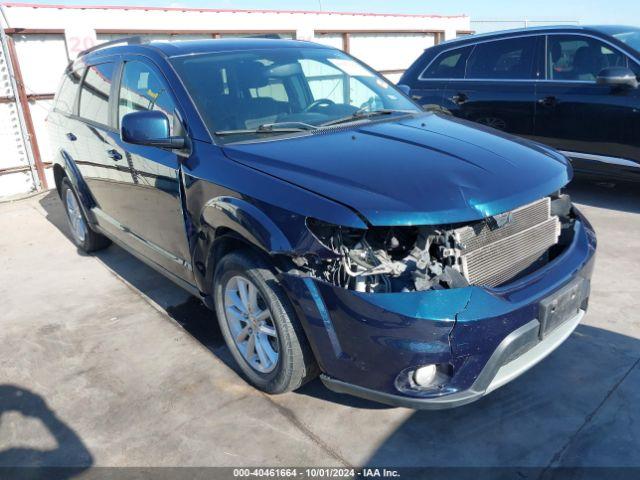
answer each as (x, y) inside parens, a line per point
(490, 255)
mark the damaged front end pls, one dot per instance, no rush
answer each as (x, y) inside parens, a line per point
(487, 253)
(462, 302)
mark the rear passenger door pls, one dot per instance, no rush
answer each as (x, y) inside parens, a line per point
(90, 132)
(149, 201)
(597, 125)
(498, 86)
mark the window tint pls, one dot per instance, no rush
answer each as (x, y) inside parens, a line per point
(503, 59)
(94, 95)
(142, 89)
(574, 57)
(449, 64)
(67, 92)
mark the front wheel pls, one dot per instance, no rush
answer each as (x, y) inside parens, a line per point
(259, 326)
(83, 236)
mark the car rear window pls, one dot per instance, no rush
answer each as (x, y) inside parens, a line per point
(94, 94)
(67, 92)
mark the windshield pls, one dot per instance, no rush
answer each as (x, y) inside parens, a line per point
(248, 94)
(628, 35)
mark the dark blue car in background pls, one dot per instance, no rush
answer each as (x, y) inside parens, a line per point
(574, 88)
(333, 226)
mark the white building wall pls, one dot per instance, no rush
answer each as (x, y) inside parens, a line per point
(388, 43)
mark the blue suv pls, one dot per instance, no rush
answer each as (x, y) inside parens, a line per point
(333, 226)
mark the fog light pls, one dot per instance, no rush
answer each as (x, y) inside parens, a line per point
(424, 376)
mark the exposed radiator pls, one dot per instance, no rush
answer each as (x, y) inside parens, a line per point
(490, 254)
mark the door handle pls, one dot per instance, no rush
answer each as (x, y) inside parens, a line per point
(549, 101)
(459, 98)
(114, 154)
(71, 137)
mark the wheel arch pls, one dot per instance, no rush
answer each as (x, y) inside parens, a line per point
(65, 167)
(230, 224)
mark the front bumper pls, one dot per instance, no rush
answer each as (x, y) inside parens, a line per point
(505, 364)
(484, 336)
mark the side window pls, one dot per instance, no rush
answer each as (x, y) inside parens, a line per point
(324, 80)
(330, 82)
(579, 58)
(510, 59)
(274, 89)
(451, 64)
(142, 89)
(94, 94)
(66, 96)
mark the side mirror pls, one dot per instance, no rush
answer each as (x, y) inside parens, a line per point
(404, 88)
(149, 127)
(617, 77)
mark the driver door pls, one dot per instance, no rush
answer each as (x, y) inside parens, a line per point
(150, 204)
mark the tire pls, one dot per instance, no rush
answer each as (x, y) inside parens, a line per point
(82, 234)
(294, 364)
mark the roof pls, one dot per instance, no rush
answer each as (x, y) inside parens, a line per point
(182, 47)
(549, 28)
(185, 47)
(220, 10)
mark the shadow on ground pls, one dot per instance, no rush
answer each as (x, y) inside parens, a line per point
(69, 452)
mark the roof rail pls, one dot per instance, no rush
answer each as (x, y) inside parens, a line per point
(137, 40)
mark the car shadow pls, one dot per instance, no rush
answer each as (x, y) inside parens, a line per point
(612, 195)
(69, 458)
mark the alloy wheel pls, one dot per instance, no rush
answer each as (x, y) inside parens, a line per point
(251, 324)
(76, 220)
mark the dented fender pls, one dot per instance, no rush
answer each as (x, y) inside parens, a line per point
(247, 220)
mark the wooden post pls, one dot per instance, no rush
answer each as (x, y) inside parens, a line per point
(26, 112)
(345, 42)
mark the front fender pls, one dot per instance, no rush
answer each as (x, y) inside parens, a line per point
(247, 220)
(247, 223)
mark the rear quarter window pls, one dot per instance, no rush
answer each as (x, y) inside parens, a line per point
(66, 96)
(94, 94)
(449, 64)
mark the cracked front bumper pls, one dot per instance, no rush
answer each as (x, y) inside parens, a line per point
(505, 364)
(485, 336)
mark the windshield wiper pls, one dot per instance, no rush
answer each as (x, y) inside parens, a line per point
(277, 127)
(363, 113)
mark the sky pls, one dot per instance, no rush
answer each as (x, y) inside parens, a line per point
(558, 11)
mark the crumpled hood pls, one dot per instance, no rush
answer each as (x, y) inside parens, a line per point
(419, 170)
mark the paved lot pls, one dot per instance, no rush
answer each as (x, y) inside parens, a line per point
(104, 362)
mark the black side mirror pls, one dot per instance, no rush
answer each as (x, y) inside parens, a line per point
(149, 127)
(617, 77)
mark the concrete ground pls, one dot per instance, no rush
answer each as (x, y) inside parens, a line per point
(104, 362)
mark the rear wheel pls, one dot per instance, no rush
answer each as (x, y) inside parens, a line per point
(259, 326)
(83, 236)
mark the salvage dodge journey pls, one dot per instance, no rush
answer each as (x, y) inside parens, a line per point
(334, 227)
